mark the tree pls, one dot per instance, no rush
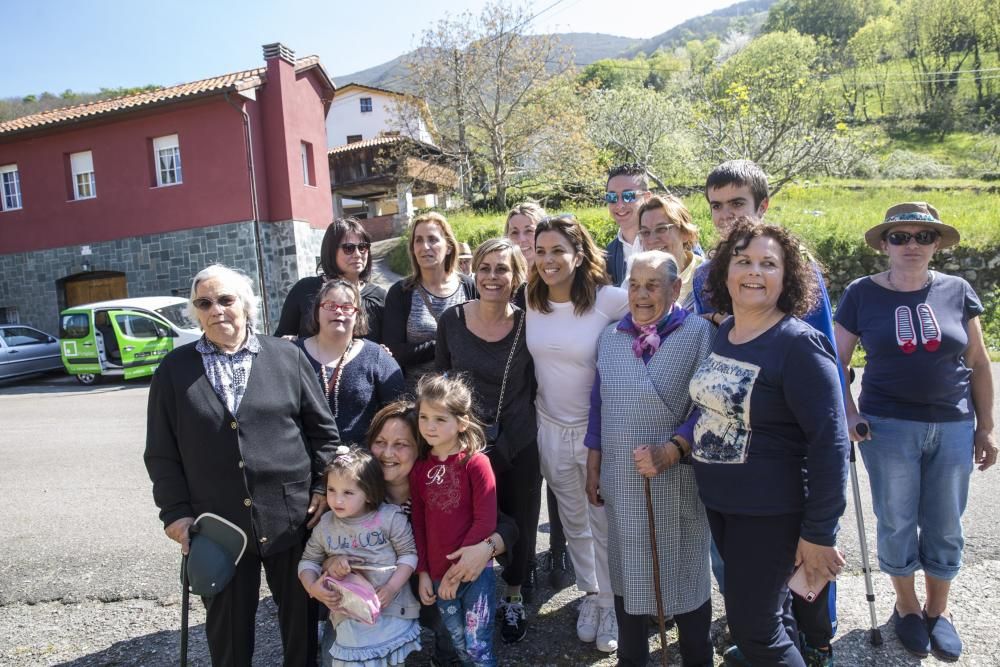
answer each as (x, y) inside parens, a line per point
(836, 20)
(766, 104)
(870, 52)
(640, 125)
(488, 87)
(940, 37)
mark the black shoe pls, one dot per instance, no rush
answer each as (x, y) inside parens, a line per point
(513, 621)
(561, 573)
(528, 585)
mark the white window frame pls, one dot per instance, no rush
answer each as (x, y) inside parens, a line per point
(84, 183)
(304, 150)
(10, 177)
(167, 158)
(369, 104)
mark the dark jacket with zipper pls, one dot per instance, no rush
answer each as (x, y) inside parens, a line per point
(256, 468)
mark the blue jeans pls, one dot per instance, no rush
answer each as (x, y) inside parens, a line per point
(919, 474)
(469, 619)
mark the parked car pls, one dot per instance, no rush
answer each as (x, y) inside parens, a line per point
(25, 350)
(126, 337)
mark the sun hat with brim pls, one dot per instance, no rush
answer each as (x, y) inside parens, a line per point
(216, 548)
(464, 251)
(912, 213)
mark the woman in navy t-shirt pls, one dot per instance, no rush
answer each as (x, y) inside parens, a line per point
(770, 447)
(924, 414)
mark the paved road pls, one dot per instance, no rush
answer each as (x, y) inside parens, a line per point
(87, 576)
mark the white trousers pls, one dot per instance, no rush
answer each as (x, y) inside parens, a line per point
(563, 459)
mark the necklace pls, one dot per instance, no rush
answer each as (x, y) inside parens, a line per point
(331, 385)
(888, 279)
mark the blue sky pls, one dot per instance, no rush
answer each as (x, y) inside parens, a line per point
(54, 45)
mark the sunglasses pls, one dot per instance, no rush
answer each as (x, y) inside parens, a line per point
(628, 196)
(350, 248)
(333, 307)
(923, 237)
(225, 301)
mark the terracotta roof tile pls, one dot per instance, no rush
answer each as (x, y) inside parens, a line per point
(380, 140)
(235, 81)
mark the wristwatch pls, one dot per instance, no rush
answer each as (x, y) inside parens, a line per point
(492, 544)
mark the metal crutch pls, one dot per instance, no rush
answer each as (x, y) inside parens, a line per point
(876, 634)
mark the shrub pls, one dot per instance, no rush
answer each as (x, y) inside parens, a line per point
(990, 319)
(909, 165)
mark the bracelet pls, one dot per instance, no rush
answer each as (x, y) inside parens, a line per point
(492, 545)
(677, 443)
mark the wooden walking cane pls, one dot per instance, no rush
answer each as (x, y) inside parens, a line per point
(656, 571)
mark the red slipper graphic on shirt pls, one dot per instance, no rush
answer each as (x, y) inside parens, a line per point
(930, 331)
(906, 337)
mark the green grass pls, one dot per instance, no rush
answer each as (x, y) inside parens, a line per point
(826, 214)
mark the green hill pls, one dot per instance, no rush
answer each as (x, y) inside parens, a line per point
(747, 16)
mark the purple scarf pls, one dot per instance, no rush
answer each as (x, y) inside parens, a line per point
(649, 336)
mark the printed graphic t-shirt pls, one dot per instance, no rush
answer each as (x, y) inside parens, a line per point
(915, 345)
(770, 411)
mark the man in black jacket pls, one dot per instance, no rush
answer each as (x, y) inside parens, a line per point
(238, 426)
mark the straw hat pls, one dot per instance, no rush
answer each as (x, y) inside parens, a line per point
(912, 213)
(464, 251)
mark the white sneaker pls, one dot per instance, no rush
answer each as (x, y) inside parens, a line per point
(607, 631)
(586, 622)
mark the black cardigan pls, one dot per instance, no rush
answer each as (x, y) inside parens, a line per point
(296, 313)
(257, 468)
(397, 311)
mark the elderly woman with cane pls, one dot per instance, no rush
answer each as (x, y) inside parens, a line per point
(925, 415)
(639, 401)
(238, 426)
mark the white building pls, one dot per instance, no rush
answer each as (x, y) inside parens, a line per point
(362, 112)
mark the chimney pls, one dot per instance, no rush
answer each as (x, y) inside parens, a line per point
(279, 50)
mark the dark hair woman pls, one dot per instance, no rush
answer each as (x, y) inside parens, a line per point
(345, 253)
(415, 303)
(570, 302)
(357, 376)
(773, 500)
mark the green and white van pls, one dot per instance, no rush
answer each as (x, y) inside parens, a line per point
(126, 337)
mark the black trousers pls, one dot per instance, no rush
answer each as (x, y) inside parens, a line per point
(694, 631)
(759, 554)
(232, 613)
(519, 496)
(557, 538)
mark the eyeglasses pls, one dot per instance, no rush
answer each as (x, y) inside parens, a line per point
(350, 248)
(645, 232)
(628, 196)
(225, 301)
(923, 237)
(333, 307)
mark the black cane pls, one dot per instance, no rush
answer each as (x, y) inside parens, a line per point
(184, 610)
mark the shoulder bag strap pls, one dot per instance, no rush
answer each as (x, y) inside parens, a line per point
(506, 370)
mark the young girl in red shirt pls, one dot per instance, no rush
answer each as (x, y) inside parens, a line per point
(454, 505)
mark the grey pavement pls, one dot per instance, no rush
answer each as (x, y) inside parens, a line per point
(88, 578)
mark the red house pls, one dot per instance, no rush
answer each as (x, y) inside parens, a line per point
(132, 196)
